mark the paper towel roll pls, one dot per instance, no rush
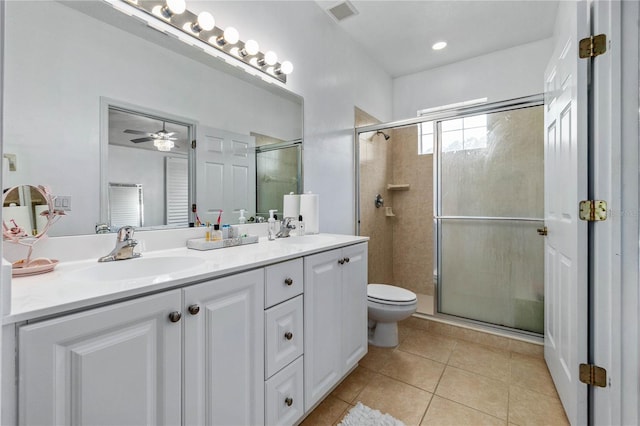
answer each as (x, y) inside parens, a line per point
(291, 206)
(310, 211)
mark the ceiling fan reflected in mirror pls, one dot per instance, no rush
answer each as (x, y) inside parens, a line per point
(162, 139)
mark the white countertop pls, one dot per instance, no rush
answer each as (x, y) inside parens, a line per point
(65, 289)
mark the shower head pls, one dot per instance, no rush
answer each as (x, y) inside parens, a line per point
(386, 136)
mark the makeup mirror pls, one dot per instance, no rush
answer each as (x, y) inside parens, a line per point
(27, 214)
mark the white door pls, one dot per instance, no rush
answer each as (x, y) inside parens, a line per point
(354, 305)
(224, 351)
(117, 365)
(322, 324)
(225, 174)
(566, 274)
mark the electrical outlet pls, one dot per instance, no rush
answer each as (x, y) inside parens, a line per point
(62, 202)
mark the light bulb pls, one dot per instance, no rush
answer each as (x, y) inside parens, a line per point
(439, 45)
(163, 144)
(205, 22)
(270, 58)
(251, 47)
(176, 6)
(172, 7)
(286, 68)
(231, 35)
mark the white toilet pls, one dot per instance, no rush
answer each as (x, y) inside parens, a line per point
(386, 305)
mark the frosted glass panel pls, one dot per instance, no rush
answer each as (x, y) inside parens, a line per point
(493, 271)
(492, 164)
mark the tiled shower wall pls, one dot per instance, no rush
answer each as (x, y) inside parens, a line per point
(401, 247)
(413, 223)
(375, 164)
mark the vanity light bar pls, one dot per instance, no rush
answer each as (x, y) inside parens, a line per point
(202, 27)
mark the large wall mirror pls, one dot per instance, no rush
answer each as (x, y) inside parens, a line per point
(86, 60)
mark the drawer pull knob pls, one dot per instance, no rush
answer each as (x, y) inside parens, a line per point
(288, 335)
(175, 316)
(341, 261)
(288, 401)
(288, 281)
(194, 309)
(346, 259)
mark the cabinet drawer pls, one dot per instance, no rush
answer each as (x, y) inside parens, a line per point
(284, 403)
(283, 335)
(283, 281)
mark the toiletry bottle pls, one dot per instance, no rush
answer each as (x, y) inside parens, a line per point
(216, 235)
(272, 225)
(242, 220)
(300, 226)
(225, 231)
(207, 234)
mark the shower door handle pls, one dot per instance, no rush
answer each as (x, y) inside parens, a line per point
(542, 231)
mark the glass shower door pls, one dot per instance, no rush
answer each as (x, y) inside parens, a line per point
(490, 193)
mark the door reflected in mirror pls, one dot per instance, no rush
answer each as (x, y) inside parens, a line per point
(147, 170)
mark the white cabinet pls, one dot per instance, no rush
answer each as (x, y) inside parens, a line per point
(119, 364)
(224, 351)
(253, 348)
(335, 317)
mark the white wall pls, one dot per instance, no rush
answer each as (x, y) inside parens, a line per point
(502, 75)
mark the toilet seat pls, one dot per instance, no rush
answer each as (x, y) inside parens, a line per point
(390, 295)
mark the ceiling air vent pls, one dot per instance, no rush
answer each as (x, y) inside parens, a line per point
(342, 11)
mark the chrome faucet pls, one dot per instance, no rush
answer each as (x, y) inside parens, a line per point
(124, 246)
(285, 228)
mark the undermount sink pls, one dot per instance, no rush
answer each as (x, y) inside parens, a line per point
(156, 269)
(308, 239)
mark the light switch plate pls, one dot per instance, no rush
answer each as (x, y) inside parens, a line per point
(62, 202)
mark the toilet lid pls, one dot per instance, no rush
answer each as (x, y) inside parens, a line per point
(389, 293)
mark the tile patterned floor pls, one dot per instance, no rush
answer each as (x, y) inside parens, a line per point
(436, 379)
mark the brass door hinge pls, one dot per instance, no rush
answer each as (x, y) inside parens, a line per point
(593, 210)
(193, 144)
(593, 375)
(543, 231)
(593, 46)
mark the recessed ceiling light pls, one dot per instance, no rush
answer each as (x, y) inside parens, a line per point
(439, 45)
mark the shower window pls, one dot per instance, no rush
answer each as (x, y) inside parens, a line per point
(465, 133)
(425, 137)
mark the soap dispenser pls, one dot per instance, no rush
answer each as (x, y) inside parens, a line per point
(272, 225)
(242, 220)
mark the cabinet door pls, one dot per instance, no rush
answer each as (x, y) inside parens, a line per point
(224, 351)
(354, 305)
(322, 324)
(116, 365)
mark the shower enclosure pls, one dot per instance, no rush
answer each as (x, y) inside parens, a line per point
(463, 210)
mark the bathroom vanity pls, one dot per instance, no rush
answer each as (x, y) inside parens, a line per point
(247, 335)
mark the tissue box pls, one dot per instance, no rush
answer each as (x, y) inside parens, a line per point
(203, 244)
